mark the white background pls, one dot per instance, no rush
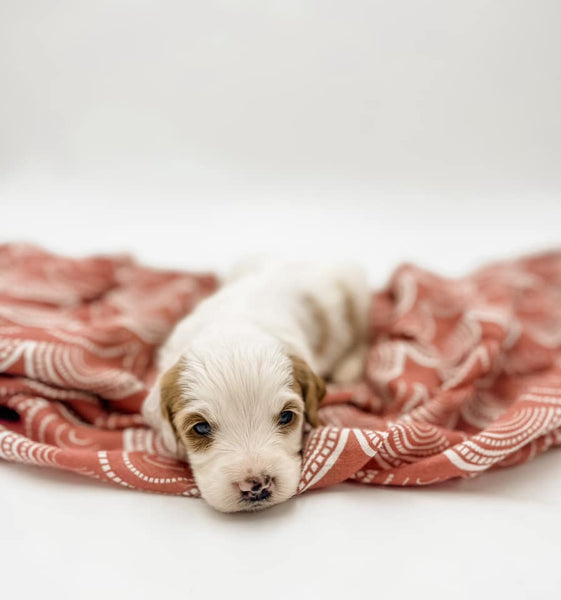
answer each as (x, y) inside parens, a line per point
(191, 133)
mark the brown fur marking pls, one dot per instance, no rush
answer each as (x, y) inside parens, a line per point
(321, 323)
(297, 410)
(194, 441)
(351, 315)
(172, 402)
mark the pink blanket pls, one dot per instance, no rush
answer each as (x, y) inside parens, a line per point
(462, 375)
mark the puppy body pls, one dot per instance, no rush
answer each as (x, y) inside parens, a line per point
(245, 358)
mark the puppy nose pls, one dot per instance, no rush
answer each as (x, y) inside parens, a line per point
(256, 487)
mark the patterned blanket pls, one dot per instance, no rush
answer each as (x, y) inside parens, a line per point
(462, 375)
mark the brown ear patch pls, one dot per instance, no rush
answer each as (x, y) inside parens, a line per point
(171, 394)
(310, 386)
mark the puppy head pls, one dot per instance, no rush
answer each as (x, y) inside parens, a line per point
(237, 412)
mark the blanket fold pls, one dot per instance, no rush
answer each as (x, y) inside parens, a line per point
(463, 375)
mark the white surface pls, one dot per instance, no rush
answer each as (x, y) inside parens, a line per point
(497, 536)
(191, 133)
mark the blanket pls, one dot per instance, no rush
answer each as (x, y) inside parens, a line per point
(462, 375)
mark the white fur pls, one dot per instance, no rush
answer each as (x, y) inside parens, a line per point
(236, 371)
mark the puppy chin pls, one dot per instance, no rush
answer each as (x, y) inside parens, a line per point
(221, 491)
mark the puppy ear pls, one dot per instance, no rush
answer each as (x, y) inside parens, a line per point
(162, 403)
(310, 386)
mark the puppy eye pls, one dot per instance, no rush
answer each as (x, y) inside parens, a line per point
(203, 428)
(286, 417)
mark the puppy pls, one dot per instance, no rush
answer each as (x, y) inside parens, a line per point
(241, 374)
